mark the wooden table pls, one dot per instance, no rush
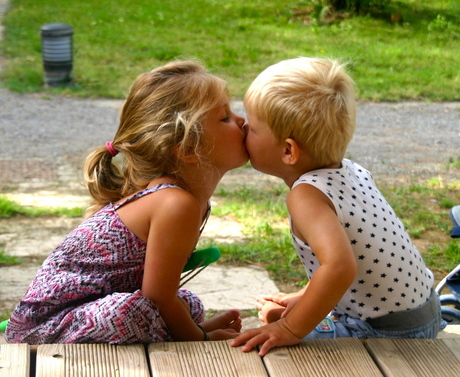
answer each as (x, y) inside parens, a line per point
(336, 357)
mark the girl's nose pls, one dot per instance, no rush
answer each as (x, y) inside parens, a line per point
(244, 128)
(240, 122)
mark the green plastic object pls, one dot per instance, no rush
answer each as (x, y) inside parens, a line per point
(3, 326)
(201, 258)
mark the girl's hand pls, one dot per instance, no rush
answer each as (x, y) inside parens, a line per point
(269, 311)
(275, 334)
(223, 334)
(275, 306)
(223, 326)
(287, 300)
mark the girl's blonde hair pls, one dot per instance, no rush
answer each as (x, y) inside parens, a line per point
(160, 119)
(310, 100)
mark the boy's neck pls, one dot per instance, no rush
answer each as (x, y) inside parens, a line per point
(300, 169)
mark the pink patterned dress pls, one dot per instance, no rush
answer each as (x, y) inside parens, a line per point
(88, 289)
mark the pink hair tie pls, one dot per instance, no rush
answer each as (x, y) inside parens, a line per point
(111, 149)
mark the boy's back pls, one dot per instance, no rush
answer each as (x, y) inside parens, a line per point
(391, 273)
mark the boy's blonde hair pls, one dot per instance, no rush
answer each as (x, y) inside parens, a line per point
(161, 119)
(310, 100)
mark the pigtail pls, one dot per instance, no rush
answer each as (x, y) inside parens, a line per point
(103, 179)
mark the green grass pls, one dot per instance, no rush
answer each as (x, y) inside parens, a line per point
(443, 258)
(263, 215)
(8, 260)
(9, 208)
(262, 212)
(424, 207)
(4, 315)
(115, 40)
(454, 163)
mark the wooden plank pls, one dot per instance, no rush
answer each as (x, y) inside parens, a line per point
(203, 359)
(95, 360)
(414, 357)
(454, 345)
(14, 360)
(132, 361)
(340, 357)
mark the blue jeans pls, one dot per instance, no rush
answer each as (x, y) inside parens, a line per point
(344, 326)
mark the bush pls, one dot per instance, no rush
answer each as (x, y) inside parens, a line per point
(358, 6)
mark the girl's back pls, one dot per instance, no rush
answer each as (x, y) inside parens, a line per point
(98, 258)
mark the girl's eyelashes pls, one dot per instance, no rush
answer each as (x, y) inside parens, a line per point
(226, 119)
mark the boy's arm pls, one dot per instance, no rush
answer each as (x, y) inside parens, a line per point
(314, 221)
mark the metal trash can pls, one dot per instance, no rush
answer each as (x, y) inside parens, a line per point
(57, 51)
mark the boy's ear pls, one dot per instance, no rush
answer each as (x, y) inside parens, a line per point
(291, 152)
(184, 157)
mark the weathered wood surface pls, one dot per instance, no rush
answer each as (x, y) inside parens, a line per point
(14, 360)
(340, 357)
(203, 359)
(82, 360)
(336, 357)
(416, 357)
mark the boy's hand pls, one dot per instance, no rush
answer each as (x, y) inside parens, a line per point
(275, 334)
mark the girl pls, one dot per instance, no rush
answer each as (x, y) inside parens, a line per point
(115, 279)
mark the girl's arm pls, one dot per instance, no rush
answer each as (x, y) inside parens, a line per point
(173, 232)
(314, 221)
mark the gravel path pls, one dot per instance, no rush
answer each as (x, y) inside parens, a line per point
(45, 138)
(403, 141)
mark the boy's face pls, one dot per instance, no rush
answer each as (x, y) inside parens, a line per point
(264, 150)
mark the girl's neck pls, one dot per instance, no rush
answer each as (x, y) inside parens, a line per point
(198, 182)
(201, 183)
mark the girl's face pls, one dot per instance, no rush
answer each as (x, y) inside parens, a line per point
(225, 134)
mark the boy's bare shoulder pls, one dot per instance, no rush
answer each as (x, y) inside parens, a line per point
(306, 198)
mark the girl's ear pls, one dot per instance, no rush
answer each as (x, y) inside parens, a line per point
(182, 155)
(291, 152)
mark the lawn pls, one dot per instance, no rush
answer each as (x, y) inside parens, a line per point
(414, 57)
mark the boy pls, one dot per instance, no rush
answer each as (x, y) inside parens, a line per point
(363, 268)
